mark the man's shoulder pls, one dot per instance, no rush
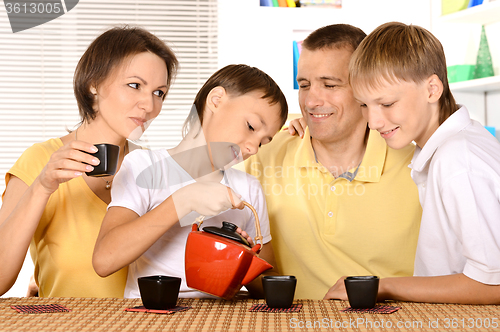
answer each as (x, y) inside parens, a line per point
(398, 161)
(281, 144)
(403, 154)
(282, 149)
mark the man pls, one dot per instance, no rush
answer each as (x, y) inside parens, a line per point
(340, 201)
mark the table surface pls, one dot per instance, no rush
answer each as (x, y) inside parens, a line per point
(93, 314)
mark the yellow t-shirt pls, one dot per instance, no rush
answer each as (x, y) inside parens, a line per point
(324, 228)
(63, 243)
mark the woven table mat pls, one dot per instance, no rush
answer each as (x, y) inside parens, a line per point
(218, 315)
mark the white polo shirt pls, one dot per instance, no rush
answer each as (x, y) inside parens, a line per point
(458, 178)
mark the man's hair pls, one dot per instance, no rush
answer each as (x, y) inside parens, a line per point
(107, 52)
(396, 51)
(334, 36)
(238, 80)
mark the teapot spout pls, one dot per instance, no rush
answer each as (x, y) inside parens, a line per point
(257, 266)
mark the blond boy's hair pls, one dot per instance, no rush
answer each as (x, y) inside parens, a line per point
(395, 51)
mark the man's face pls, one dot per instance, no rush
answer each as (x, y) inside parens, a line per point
(325, 96)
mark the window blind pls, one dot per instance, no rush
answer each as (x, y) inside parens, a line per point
(37, 67)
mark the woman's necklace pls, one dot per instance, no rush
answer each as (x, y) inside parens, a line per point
(108, 182)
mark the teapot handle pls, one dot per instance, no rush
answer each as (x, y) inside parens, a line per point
(257, 224)
(195, 227)
(198, 221)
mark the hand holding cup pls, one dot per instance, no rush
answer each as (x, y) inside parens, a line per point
(108, 155)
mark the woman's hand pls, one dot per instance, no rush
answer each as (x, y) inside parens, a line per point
(297, 127)
(68, 162)
(32, 288)
(337, 291)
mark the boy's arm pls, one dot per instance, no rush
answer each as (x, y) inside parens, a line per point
(124, 236)
(297, 127)
(455, 288)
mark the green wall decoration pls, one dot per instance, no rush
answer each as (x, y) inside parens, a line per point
(484, 66)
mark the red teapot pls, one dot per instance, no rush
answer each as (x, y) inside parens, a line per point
(219, 261)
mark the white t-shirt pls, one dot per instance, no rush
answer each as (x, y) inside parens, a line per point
(458, 178)
(146, 178)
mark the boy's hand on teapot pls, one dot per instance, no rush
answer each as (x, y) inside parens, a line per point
(245, 235)
(208, 198)
(68, 162)
(297, 127)
(337, 291)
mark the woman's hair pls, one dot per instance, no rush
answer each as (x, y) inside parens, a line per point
(334, 36)
(106, 53)
(396, 51)
(237, 80)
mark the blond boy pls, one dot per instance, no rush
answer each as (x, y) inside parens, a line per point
(398, 74)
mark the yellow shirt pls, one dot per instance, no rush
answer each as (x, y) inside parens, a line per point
(324, 228)
(63, 243)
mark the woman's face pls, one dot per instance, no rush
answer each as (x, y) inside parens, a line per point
(131, 96)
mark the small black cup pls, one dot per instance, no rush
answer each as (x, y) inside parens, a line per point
(279, 290)
(108, 156)
(159, 292)
(362, 291)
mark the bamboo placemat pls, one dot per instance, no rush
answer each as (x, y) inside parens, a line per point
(91, 314)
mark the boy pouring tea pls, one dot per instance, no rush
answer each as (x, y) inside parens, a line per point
(158, 194)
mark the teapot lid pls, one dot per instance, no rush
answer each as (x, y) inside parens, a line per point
(228, 230)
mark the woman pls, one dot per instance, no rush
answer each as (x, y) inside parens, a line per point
(50, 204)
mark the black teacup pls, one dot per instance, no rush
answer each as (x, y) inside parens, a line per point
(159, 292)
(108, 156)
(279, 290)
(362, 291)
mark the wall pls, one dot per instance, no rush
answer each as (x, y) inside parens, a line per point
(461, 43)
(262, 36)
